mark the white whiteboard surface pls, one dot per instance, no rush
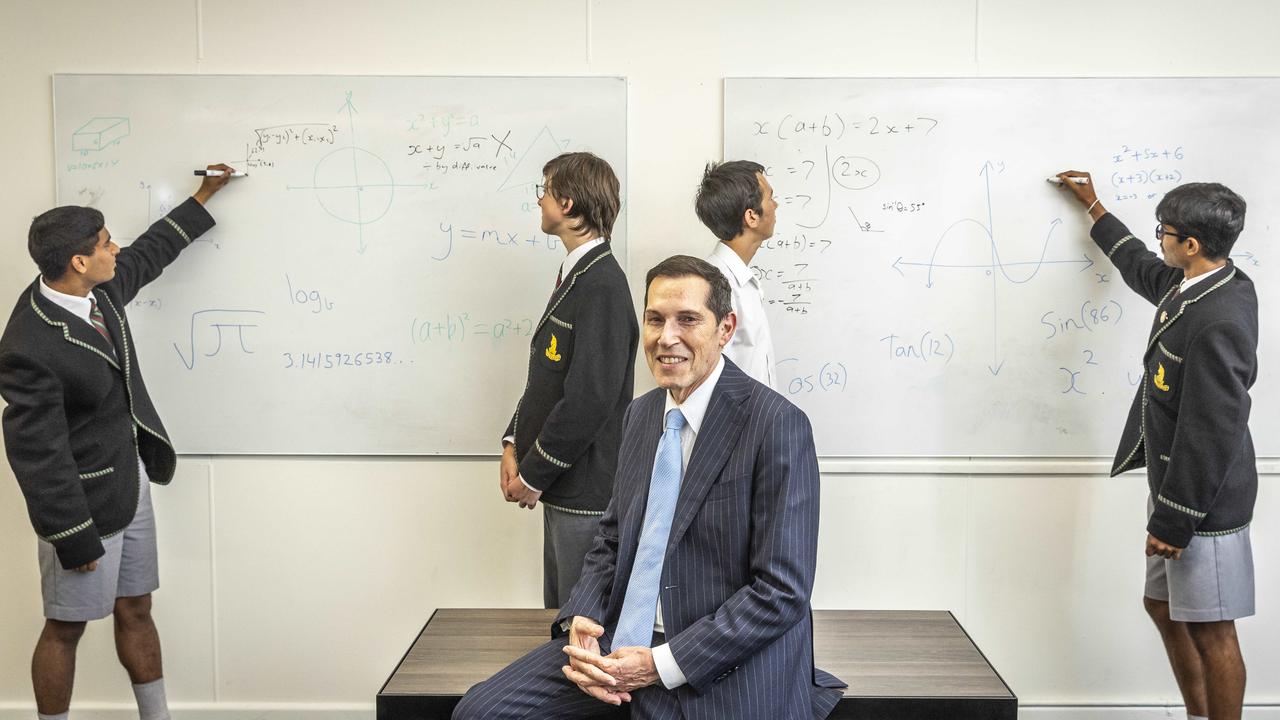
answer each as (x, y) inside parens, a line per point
(930, 294)
(371, 287)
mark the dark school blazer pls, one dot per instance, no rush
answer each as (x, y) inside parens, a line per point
(78, 415)
(1189, 422)
(568, 422)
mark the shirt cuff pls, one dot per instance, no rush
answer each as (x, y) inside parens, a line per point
(668, 670)
(527, 484)
(508, 439)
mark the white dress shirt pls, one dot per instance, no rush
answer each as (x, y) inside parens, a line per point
(566, 267)
(752, 345)
(82, 307)
(1188, 282)
(694, 410)
(571, 260)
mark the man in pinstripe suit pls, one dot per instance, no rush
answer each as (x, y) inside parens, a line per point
(719, 473)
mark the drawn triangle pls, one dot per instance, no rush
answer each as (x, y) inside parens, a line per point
(527, 171)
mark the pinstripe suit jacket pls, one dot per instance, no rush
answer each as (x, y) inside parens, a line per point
(740, 561)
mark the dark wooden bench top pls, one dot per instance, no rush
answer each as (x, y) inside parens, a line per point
(902, 664)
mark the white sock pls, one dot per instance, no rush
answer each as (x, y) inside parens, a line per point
(59, 716)
(1196, 717)
(151, 702)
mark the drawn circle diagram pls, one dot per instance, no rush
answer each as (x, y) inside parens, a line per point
(354, 185)
(855, 173)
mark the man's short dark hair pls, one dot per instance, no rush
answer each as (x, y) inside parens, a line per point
(593, 187)
(59, 234)
(727, 191)
(1209, 212)
(719, 296)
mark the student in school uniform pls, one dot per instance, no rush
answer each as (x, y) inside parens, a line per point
(1189, 426)
(85, 441)
(736, 203)
(561, 446)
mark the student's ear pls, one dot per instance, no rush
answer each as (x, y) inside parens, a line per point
(1193, 246)
(78, 264)
(566, 205)
(750, 219)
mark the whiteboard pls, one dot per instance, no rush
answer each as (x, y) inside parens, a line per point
(929, 292)
(372, 286)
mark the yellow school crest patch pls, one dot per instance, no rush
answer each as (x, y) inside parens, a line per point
(552, 354)
(1159, 378)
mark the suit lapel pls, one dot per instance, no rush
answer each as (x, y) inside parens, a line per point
(716, 440)
(650, 422)
(1193, 297)
(71, 328)
(592, 257)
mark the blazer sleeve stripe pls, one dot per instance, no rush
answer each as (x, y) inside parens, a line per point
(537, 445)
(68, 533)
(1181, 508)
(178, 227)
(1119, 242)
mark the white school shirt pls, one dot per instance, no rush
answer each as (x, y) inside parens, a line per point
(694, 410)
(1182, 286)
(752, 345)
(82, 307)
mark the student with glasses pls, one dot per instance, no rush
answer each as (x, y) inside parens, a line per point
(1189, 426)
(561, 446)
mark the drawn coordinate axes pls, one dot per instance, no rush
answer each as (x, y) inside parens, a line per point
(996, 262)
(334, 184)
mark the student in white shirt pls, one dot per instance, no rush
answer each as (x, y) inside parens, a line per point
(736, 203)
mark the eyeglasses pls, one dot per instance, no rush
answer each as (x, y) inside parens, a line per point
(539, 190)
(1161, 233)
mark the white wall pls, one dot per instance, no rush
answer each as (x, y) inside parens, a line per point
(299, 582)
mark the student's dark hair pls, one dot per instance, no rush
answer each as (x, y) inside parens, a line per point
(1209, 212)
(727, 191)
(59, 234)
(719, 296)
(591, 184)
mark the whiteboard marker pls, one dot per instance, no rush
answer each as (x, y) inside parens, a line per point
(218, 173)
(1077, 180)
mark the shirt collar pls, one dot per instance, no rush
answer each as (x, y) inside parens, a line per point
(694, 407)
(578, 253)
(81, 307)
(725, 254)
(1182, 287)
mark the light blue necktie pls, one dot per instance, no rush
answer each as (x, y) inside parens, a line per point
(640, 605)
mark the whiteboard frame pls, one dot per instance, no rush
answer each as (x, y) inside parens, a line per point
(980, 464)
(625, 260)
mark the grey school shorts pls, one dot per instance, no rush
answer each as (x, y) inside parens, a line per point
(1211, 581)
(128, 569)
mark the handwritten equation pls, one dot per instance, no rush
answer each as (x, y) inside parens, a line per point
(834, 125)
(451, 236)
(265, 138)
(460, 326)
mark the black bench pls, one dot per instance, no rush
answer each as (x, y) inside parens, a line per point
(900, 664)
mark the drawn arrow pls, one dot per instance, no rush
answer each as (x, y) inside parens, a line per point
(1085, 260)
